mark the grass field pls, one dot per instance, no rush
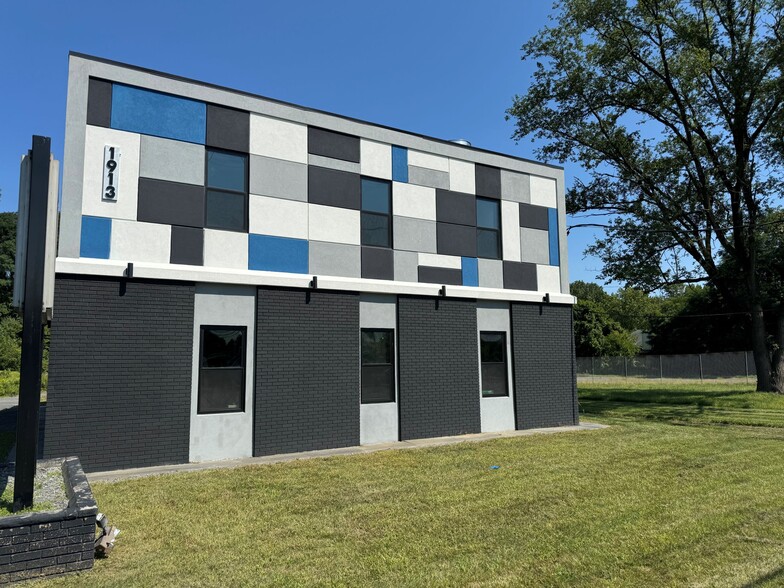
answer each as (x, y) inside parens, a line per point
(642, 503)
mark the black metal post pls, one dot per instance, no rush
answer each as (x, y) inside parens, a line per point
(32, 326)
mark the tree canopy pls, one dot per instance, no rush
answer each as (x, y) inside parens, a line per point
(674, 109)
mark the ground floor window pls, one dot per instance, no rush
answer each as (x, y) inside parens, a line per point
(222, 369)
(492, 346)
(378, 365)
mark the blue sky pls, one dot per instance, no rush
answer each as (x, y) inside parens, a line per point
(445, 68)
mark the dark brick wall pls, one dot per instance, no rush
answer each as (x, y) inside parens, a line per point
(438, 367)
(307, 370)
(543, 349)
(120, 372)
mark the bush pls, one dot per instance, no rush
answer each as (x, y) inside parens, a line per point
(10, 348)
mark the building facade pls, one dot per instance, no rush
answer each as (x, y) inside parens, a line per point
(237, 276)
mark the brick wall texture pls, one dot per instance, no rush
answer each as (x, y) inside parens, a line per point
(545, 380)
(57, 547)
(120, 372)
(438, 367)
(307, 370)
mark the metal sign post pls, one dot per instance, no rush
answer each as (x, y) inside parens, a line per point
(32, 321)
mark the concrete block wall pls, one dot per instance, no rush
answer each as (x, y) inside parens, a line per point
(120, 372)
(438, 367)
(303, 189)
(307, 374)
(543, 351)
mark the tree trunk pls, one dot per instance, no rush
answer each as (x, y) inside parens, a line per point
(778, 354)
(759, 348)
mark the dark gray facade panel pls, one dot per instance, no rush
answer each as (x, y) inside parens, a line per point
(331, 144)
(456, 239)
(307, 370)
(488, 181)
(228, 128)
(543, 352)
(99, 103)
(120, 372)
(534, 217)
(378, 263)
(170, 203)
(456, 208)
(333, 187)
(440, 275)
(187, 246)
(520, 276)
(438, 367)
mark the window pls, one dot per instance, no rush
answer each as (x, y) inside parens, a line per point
(376, 213)
(227, 191)
(378, 366)
(488, 228)
(222, 370)
(492, 346)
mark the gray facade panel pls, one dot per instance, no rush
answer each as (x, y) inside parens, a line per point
(120, 372)
(438, 367)
(534, 217)
(187, 245)
(307, 370)
(543, 350)
(378, 263)
(488, 181)
(520, 276)
(440, 275)
(99, 103)
(170, 203)
(333, 187)
(422, 176)
(456, 240)
(332, 144)
(228, 128)
(456, 208)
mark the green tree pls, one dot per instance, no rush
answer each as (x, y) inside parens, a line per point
(675, 109)
(596, 334)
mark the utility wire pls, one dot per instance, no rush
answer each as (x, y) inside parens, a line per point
(665, 231)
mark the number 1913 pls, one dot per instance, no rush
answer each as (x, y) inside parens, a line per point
(111, 172)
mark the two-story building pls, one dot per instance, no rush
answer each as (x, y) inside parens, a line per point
(239, 276)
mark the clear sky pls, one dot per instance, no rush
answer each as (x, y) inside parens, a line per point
(445, 68)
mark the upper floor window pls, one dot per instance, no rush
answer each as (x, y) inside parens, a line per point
(376, 213)
(488, 228)
(227, 191)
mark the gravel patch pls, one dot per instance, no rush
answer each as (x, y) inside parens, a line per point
(49, 493)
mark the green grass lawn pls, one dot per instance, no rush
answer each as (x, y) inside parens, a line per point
(642, 503)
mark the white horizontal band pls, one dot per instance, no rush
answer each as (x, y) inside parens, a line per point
(190, 273)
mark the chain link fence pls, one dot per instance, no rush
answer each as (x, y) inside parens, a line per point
(702, 366)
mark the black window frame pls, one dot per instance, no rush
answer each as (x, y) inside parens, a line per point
(391, 365)
(244, 356)
(504, 363)
(208, 188)
(496, 230)
(363, 213)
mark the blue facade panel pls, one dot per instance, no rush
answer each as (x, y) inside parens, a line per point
(470, 271)
(399, 164)
(96, 237)
(277, 254)
(161, 115)
(552, 220)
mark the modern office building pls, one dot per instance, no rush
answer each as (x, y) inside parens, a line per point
(239, 276)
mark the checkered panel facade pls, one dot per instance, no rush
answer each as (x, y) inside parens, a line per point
(302, 192)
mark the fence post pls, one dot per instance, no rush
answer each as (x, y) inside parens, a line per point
(661, 370)
(699, 356)
(593, 371)
(625, 368)
(746, 362)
